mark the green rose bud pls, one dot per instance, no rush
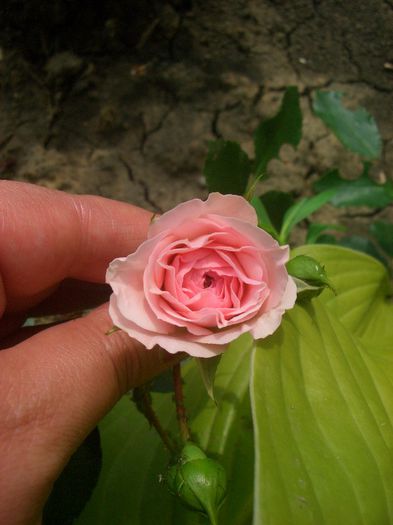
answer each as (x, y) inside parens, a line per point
(198, 481)
(190, 452)
(310, 276)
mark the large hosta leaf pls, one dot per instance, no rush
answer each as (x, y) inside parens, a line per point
(129, 491)
(362, 285)
(322, 398)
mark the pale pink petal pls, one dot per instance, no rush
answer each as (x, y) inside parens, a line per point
(223, 205)
(171, 343)
(125, 275)
(231, 206)
(268, 323)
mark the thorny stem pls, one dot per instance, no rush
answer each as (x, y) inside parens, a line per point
(142, 398)
(179, 401)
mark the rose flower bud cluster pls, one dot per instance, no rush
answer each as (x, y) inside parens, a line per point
(205, 275)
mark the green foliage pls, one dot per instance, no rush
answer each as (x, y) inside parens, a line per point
(362, 191)
(356, 242)
(134, 458)
(357, 130)
(264, 221)
(75, 485)
(276, 204)
(301, 210)
(322, 403)
(227, 167)
(362, 244)
(318, 231)
(284, 128)
(208, 370)
(383, 233)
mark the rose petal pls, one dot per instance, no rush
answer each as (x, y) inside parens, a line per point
(125, 275)
(223, 205)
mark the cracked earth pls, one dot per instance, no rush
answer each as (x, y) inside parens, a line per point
(133, 123)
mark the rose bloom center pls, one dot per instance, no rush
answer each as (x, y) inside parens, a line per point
(220, 284)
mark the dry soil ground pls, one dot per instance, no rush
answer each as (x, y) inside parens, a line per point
(121, 99)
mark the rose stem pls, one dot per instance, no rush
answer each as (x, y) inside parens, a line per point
(179, 401)
(142, 398)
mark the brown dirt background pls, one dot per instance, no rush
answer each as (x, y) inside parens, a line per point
(121, 98)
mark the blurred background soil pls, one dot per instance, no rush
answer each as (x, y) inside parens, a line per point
(120, 98)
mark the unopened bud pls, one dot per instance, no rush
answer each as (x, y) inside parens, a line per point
(309, 272)
(198, 481)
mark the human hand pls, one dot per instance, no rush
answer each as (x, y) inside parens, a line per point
(56, 383)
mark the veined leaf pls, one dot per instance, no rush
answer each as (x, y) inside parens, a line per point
(362, 284)
(324, 433)
(301, 210)
(129, 491)
(322, 396)
(283, 128)
(357, 130)
(227, 167)
(362, 191)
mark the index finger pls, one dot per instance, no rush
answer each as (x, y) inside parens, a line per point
(47, 235)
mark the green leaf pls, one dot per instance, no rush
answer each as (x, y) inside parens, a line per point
(301, 210)
(276, 204)
(208, 369)
(284, 128)
(362, 244)
(357, 130)
(129, 491)
(227, 167)
(322, 395)
(326, 238)
(361, 282)
(383, 232)
(362, 191)
(316, 231)
(75, 484)
(264, 221)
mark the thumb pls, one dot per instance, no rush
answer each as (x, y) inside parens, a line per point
(55, 387)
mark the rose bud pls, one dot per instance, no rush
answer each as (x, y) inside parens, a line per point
(198, 481)
(205, 275)
(309, 274)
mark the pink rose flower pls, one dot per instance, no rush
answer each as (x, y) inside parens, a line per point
(205, 275)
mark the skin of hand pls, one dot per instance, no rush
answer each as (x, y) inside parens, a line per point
(57, 382)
